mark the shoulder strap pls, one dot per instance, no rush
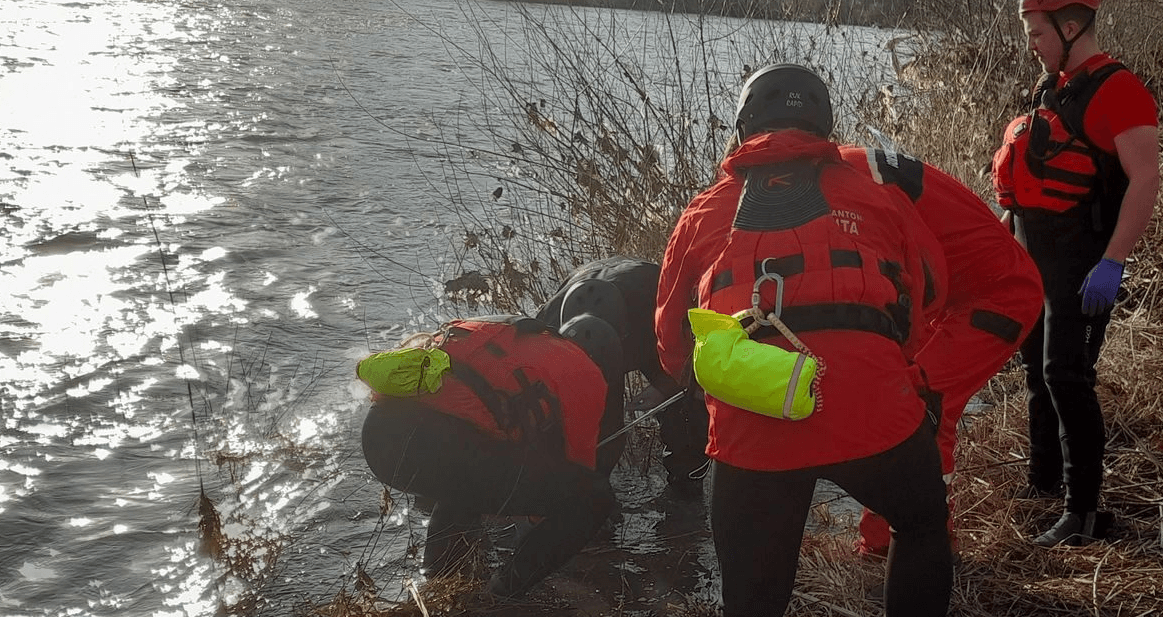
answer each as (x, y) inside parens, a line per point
(901, 170)
(1072, 100)
(1046, 83)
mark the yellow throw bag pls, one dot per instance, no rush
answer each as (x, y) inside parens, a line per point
(404, 372)
(748, 374)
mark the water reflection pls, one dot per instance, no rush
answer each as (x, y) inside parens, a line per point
(107, 322)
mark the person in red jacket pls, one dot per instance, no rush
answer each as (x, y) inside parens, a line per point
(511, 429)
(1079, 177)
(853, 259)
(975, 322)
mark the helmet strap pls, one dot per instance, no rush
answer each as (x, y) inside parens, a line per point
(1068, 44)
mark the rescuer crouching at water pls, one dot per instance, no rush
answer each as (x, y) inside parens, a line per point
(621, 291)
(500, 416)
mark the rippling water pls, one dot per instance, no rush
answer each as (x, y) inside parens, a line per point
(210, 211)
(178, 285)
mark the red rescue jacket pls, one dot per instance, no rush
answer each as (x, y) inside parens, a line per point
(519, 382)
(855, 280)
(991, 298)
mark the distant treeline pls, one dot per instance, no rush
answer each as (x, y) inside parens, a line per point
(857, 12)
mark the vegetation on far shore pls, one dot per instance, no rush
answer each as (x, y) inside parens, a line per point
(847, 12)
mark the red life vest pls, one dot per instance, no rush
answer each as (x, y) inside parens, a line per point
(1047, 162)
(836, 280)
(870, 390)
(518, 381)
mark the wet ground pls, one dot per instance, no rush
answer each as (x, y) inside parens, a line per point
(654, 557)
(651, 558)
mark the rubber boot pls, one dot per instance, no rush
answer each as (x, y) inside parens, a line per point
(1077, 529)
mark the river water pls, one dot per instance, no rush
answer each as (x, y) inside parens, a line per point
(210, 212)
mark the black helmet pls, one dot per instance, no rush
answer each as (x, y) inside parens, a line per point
(598, 339)
(783, 96)
(599, 298)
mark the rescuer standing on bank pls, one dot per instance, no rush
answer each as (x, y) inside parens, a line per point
(1079, 175)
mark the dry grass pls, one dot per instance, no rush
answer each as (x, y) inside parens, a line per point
(1004, 574)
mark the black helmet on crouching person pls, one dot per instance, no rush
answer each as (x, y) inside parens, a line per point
(783, 96)
(599, 298)
(598, 339)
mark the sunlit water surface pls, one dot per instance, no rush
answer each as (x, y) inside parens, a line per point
(210, 211)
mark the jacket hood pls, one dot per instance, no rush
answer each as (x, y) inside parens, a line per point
(774, 147)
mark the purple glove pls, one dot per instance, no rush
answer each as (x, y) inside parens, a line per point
(1100, 286)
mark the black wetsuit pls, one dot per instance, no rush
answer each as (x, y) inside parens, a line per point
(448, 460)
(1067, 438)
(758, 519)
(683, 427)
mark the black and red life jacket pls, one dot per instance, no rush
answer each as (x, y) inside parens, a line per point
(850, 252)
(519, 381)
(1046, 160)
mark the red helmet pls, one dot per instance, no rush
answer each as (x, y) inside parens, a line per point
(1030, 6)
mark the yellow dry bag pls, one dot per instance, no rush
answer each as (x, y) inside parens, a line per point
(748, 374)
(404, 372)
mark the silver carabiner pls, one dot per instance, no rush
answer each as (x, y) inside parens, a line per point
(755, 296)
